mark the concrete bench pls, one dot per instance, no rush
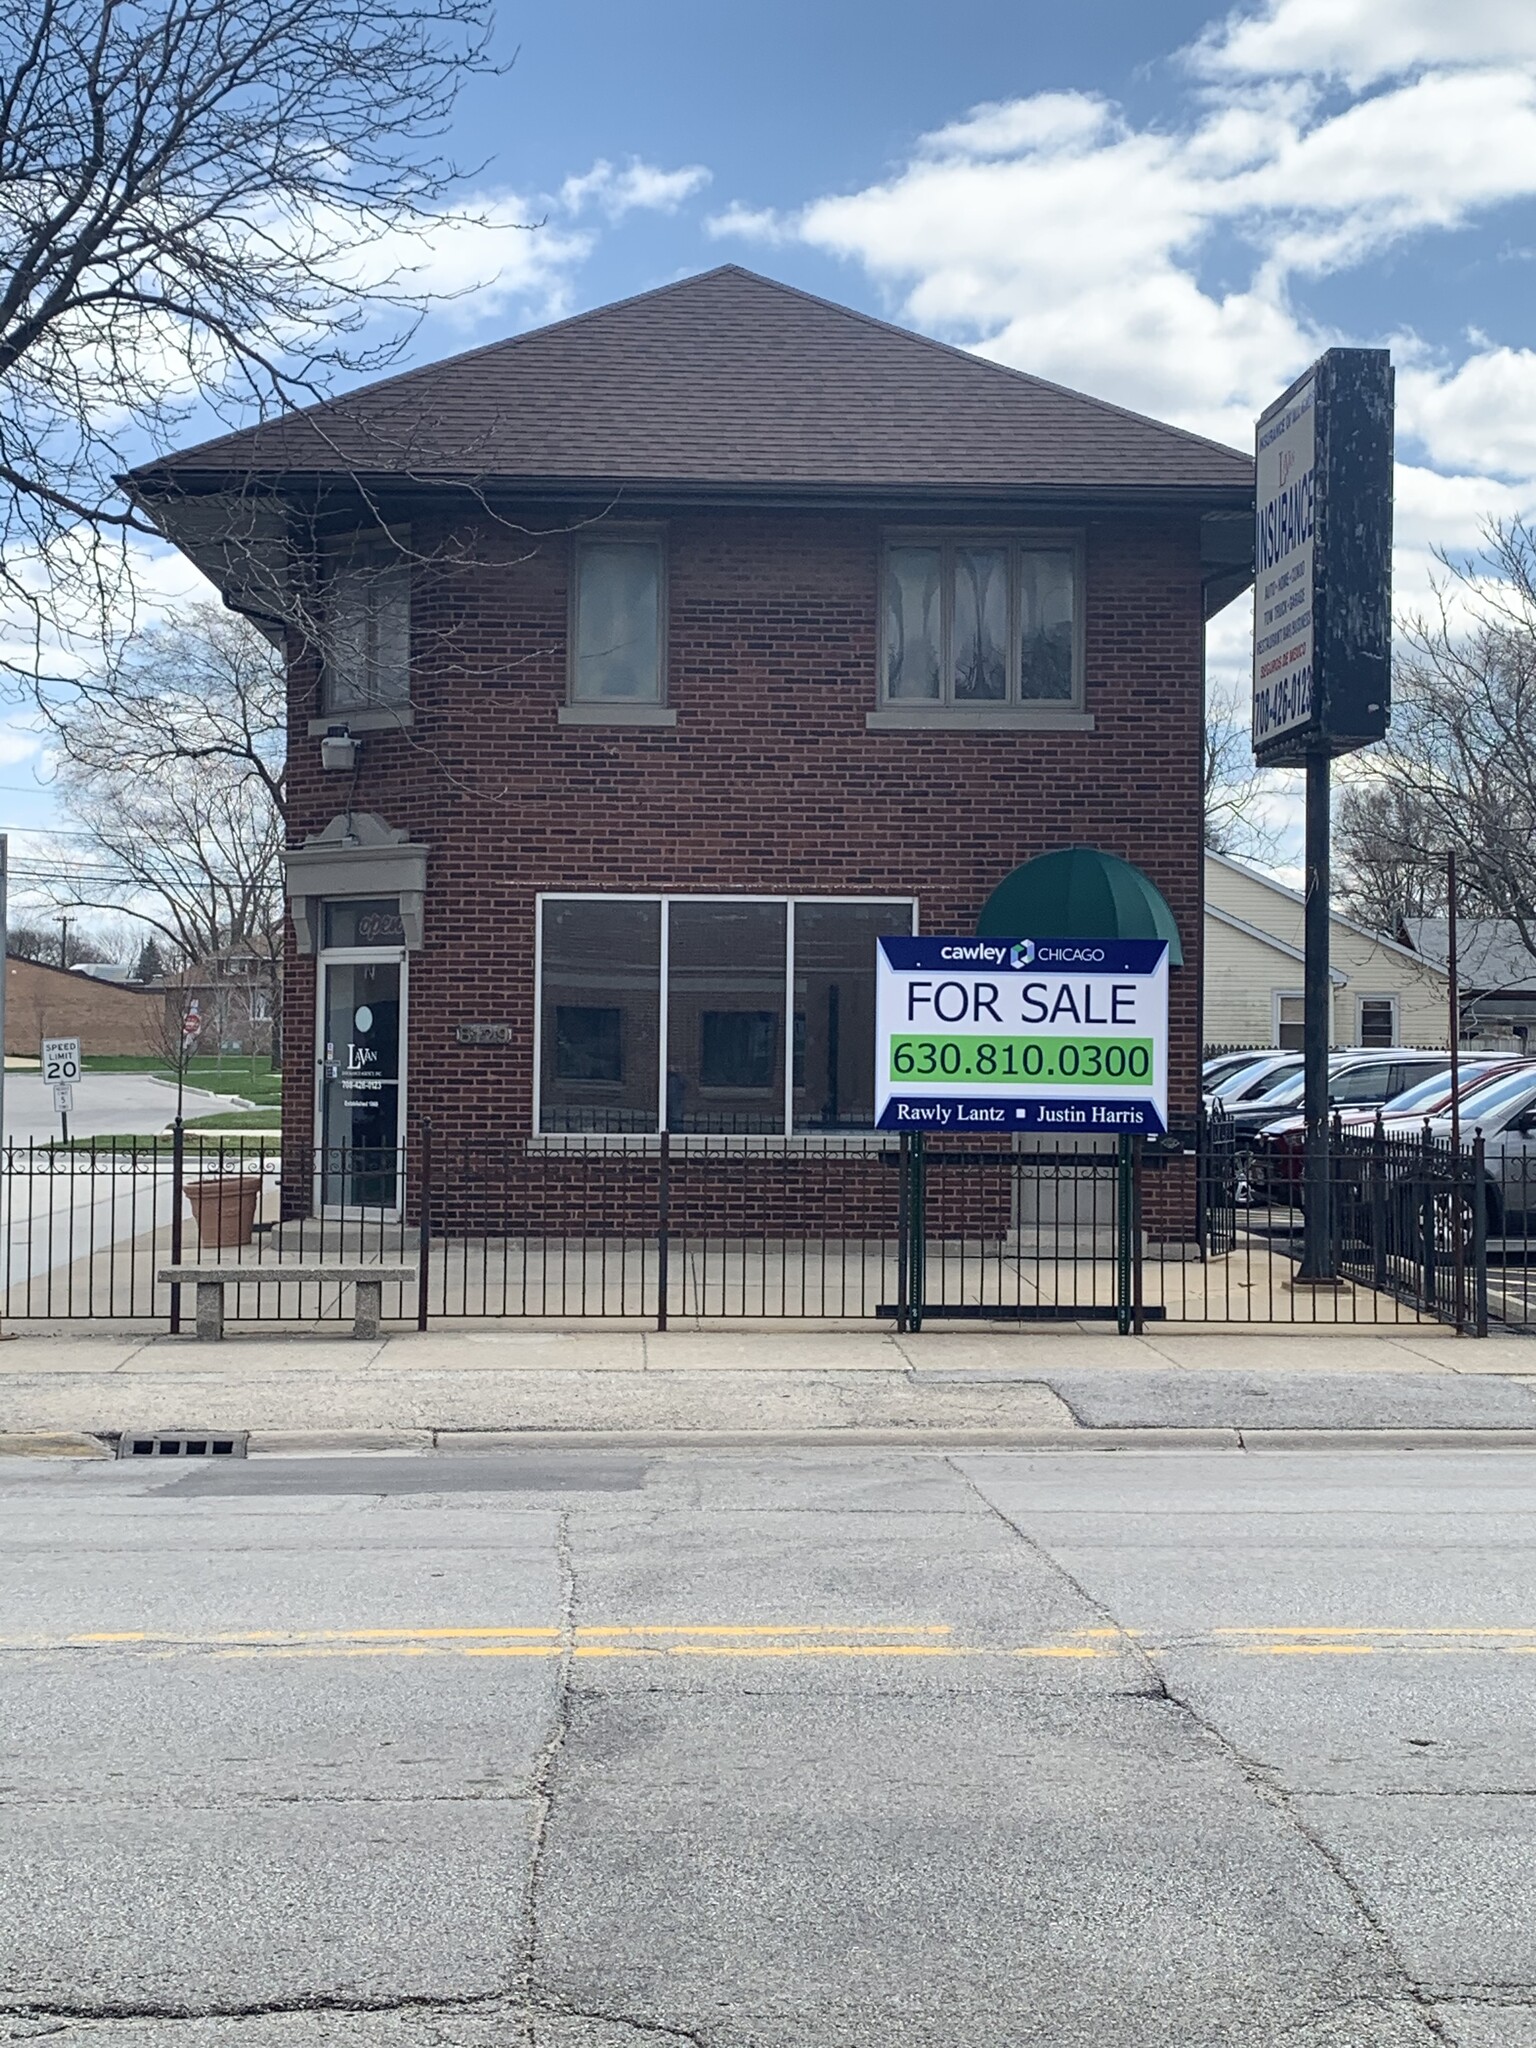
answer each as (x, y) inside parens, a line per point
(211, 1281)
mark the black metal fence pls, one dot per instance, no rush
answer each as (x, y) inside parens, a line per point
(1199, 1228)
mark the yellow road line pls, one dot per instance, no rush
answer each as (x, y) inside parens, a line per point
(785, 1640)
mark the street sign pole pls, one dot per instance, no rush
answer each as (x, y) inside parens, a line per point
(1317, 1004)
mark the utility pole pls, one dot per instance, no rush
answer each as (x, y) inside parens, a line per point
(1316, 1037)
(64, 942)
(5, 962)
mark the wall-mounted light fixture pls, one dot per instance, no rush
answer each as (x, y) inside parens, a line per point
(338, 749)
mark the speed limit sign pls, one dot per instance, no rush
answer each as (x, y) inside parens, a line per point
(61, 1060)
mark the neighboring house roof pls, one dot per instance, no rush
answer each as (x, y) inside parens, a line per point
(726, 379)
(1489, 950)
(1238, 924)
(1237, 867)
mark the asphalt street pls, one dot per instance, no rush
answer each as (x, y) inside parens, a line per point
(764, 1748)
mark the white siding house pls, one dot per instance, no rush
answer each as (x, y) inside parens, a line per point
(1383, 994)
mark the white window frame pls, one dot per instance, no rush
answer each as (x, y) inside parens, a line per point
(382, 553)
(663, 964)
(654, 538)
(1277, 997)
(1068, 541)
(1383, 996)
(342, 956)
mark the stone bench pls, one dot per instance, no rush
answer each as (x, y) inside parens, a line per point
(211, 1281)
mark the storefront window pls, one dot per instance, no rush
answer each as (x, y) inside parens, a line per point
(600, 1017)
(725, 1015)
(749, 984)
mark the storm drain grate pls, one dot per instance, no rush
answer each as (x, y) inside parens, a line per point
(182, 1443)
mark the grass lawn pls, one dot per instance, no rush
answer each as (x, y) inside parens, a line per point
(232, 1073)
(235, 1120)
(200, 1145)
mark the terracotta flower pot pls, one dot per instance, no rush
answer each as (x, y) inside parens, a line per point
(225, 1210)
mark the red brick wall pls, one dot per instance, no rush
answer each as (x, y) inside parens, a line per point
(769, 783)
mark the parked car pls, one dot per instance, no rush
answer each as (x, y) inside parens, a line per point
(1504, 1112)
(1226, 1064)
(1248, 1082)
(1275, 1167)
(1359, 1080)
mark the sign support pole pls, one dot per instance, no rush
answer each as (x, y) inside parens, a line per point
(1317, 1238)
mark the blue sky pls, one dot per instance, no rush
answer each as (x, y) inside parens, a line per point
(1172, 207)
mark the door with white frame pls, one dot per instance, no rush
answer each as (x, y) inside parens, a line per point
(360, 1082)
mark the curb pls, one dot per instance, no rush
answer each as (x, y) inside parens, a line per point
(299, 1443)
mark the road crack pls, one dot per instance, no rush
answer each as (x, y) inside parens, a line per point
(546, 1765)
(1259, 1780)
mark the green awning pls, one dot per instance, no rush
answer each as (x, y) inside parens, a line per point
(1078, 892)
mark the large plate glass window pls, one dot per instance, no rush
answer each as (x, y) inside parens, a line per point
(973, 621)
(768, 1005)
(725, 1015)
(616, 623)
(600, 1016)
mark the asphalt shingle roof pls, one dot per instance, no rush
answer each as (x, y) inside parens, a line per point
(726, 378)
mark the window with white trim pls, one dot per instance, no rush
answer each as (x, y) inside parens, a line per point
(1376, 1021)
(1290, 1020)
(736, 1015)
(366, 624)
(617, 618)
(976, 620)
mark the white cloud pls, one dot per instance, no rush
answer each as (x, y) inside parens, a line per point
(638, 185)
(1480, 416)
(1364, 40)
(1052, 120)
(750, 224)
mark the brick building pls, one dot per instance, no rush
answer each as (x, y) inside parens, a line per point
(646, 667)
(52, 1002)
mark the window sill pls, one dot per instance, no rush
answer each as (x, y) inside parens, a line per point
(381, 720)
(979, 718)
(617, 714)
(710, 1144)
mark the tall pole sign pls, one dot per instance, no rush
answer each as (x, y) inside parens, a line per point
(1322, 651)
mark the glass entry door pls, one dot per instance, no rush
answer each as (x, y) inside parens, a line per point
(361, 1017)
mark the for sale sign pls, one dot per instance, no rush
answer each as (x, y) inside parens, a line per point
(1066, 1035)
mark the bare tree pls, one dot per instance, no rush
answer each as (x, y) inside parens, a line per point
(203, 203)
(175, 1033)
(59, 943)
(1235, 789)
(1458, 769)
(205, 688)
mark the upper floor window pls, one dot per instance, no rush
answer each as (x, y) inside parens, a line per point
(980, 620)
(366, 604)
(616, 624)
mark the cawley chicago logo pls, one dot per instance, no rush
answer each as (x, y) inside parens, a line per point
(1022, 954)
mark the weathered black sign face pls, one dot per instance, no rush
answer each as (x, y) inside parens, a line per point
(1322, 593)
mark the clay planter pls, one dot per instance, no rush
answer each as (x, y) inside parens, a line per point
(225, 1210)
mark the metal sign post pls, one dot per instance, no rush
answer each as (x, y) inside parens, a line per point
(1322, 647)
(61, 1070)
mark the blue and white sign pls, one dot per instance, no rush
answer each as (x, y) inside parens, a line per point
(1064, 1035)
(1285, 535)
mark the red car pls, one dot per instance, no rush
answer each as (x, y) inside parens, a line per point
(1275, 1171)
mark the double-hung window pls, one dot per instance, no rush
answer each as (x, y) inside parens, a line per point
(977, 621)
(366, 622)
(617, 620)
(737, 1015)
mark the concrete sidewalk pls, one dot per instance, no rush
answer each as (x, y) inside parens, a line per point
(413, 1388)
